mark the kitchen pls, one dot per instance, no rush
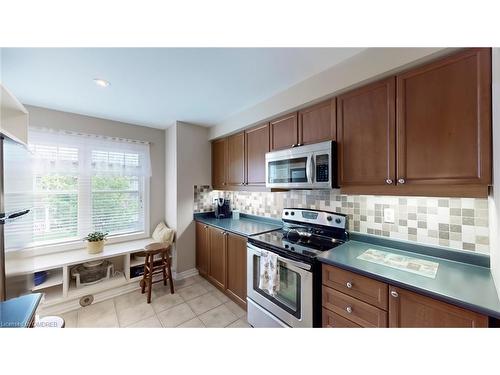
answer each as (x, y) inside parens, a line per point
(341, 187)
(400, 125)
(283, 223)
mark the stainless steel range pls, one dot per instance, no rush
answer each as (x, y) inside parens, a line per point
(305, 235)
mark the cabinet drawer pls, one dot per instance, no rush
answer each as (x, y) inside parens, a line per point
(332, 320)
(361, 287)
(355, 310)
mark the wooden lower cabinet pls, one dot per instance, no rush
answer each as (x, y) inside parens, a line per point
(217, 257)
(353, 309)
(236, 255)
(202, 248)
(352, 300)
(411, 310)
(221, 257)
(332, 320)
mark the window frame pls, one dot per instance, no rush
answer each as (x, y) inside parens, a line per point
(61, 246)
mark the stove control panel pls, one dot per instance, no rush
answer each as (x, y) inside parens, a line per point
(325, 218)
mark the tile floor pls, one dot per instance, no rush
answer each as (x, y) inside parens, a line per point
(196, 303)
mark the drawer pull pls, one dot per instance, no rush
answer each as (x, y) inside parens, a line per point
(348, 309)
(394, 294)
(348, 284)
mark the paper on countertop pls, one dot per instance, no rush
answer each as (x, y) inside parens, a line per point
(414, 265)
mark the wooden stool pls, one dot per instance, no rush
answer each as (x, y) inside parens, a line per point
(162, 266)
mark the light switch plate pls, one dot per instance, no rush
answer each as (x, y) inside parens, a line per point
(388, 215)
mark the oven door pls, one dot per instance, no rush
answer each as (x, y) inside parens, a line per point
(293, 303)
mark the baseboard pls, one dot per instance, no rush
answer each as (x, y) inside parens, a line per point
(185, 274)
(66, 306)
(74, 304)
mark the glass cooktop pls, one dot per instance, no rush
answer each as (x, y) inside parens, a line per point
(309, 245)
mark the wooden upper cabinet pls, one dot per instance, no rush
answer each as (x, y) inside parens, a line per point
(366, 135)
(257, 144)
(317, 123)
(412, 310)
(284, 132)
(236, 159)
(217, 256)
(219, 157)
(236, 253)
(444, 121)
(202, 248)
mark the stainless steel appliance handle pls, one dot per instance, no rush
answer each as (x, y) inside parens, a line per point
(304, 266)
(309, 168)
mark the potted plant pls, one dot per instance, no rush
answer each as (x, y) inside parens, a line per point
(95, 242)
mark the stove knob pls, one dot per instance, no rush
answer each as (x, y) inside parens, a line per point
(286, 246)
(286, 213)
(329, 218)
(292, 248)
(292, 213)
(338, 221)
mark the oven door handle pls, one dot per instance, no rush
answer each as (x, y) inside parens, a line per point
(258, 252)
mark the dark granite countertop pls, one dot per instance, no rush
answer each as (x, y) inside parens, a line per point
(18, 312)
(246, 225)
(462, 279)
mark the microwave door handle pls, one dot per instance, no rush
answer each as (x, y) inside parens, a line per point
(310, 168)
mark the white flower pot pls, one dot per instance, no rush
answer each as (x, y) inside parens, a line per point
(95, 247)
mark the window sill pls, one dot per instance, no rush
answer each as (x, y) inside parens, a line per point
(70, 246)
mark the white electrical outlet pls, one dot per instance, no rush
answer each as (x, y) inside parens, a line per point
(388, 215)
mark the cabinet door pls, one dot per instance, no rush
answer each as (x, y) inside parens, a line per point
(219, 157)
(444, 121)
(202, 248)
(236, 255)
(317, 123)
(217, 259)
(284, 132)
(412, 310)
(257, 144)
(236, 159)
(366, 135)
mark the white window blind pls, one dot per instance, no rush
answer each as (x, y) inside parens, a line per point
(83, 183)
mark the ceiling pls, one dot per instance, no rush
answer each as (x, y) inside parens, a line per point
(157, 86)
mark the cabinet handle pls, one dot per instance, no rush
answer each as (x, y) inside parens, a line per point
(388, 181)
(394, 294)
(348, 309)
(299, 144)
(401, 181)
(205, 226)
(294, 145)
(348, 284)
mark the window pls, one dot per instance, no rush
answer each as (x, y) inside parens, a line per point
(83, 183)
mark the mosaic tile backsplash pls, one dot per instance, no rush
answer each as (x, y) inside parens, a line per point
(459, 223)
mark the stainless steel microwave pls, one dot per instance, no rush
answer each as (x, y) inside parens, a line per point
(304, 167)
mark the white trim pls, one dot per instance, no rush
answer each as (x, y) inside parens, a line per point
(185, 274)
(72, 245)
(73, 304)
(90, 135)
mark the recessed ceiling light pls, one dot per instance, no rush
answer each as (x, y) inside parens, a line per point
(101, 82)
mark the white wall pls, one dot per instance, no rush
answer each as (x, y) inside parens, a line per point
(366, 66)
(43, 117)
(193, 168)
(494, 200)
(170, 182)
(188, 163)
